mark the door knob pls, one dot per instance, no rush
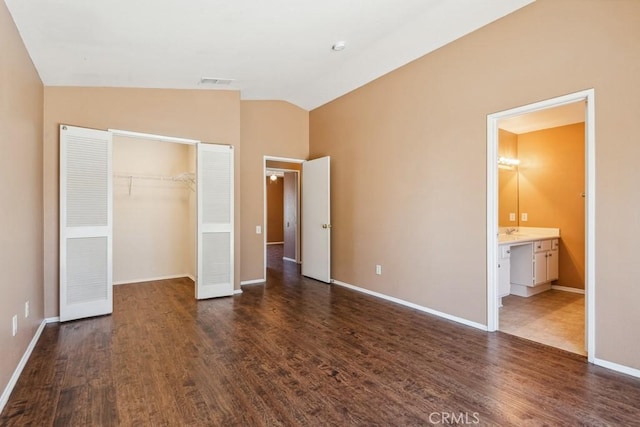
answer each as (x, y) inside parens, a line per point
(326, 225)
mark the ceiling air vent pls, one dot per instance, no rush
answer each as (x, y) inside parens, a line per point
(215, 81)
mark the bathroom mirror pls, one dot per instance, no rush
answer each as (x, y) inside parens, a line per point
(508, 215)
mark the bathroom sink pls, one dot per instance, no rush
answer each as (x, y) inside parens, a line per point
(514, 237)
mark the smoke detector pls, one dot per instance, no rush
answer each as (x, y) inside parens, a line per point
(339, 45)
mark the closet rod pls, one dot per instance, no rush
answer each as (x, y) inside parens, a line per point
(182, 177)
(185, 177)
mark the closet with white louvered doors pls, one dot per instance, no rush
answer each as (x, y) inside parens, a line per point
(138, 207)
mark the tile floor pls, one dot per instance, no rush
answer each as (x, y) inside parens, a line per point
(554, 318)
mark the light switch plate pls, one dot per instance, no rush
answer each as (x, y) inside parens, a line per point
(258, 229)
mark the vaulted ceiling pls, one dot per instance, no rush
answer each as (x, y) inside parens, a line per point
(275, 49)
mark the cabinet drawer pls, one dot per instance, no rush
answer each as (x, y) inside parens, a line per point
(555, 244)
(542, 245)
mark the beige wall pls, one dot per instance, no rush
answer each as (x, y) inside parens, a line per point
(269, 128)
(21, 95)
(432, 244)
(409, 159)
(210, 116)
(151, 218)
(275, 210)
(552, 180)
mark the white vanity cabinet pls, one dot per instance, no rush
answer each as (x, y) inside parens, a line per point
(534, 266)
(545, 261)
(553, 272)
(504, 271)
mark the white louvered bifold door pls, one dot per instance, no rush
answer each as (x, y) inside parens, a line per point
(215, 221)
(86, 281)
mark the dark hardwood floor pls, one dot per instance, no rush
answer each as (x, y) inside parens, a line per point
(297, 352)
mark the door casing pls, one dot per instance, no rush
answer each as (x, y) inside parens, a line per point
(588, 96)
(264, 210)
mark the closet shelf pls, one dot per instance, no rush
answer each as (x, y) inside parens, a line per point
(188, 178)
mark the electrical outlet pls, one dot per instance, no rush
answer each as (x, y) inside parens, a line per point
(512, 216)
(525, 217)
(14, 325)
(378, 269)
(26, 309)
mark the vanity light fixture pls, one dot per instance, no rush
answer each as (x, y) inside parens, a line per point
(273, 178)
(508, 161)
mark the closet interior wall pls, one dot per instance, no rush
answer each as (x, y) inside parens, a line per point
(153, 210)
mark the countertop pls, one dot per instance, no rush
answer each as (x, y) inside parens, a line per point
(526, 235)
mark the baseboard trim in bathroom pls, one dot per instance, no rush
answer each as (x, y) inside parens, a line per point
(568, 289)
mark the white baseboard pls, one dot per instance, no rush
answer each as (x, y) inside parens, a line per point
(237, 291)
(151, 279)
(52, 319)
(288, 259)
(617, 367)
(568, 289)
(252, 282)
(4, 398)
(275, 243)
(412, 305)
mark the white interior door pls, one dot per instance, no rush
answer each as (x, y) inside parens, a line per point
(215, 221)
(316, 219)
(86, 263)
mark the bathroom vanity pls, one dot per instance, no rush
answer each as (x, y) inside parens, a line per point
(527, 261)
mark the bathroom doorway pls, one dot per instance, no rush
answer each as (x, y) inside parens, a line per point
(540, 222)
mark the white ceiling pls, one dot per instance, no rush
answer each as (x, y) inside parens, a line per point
(276, 49)
(545, 119)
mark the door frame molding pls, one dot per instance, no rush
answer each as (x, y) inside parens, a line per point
(120, 133)
(264, 209)
(154, 137)
(588, 96)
